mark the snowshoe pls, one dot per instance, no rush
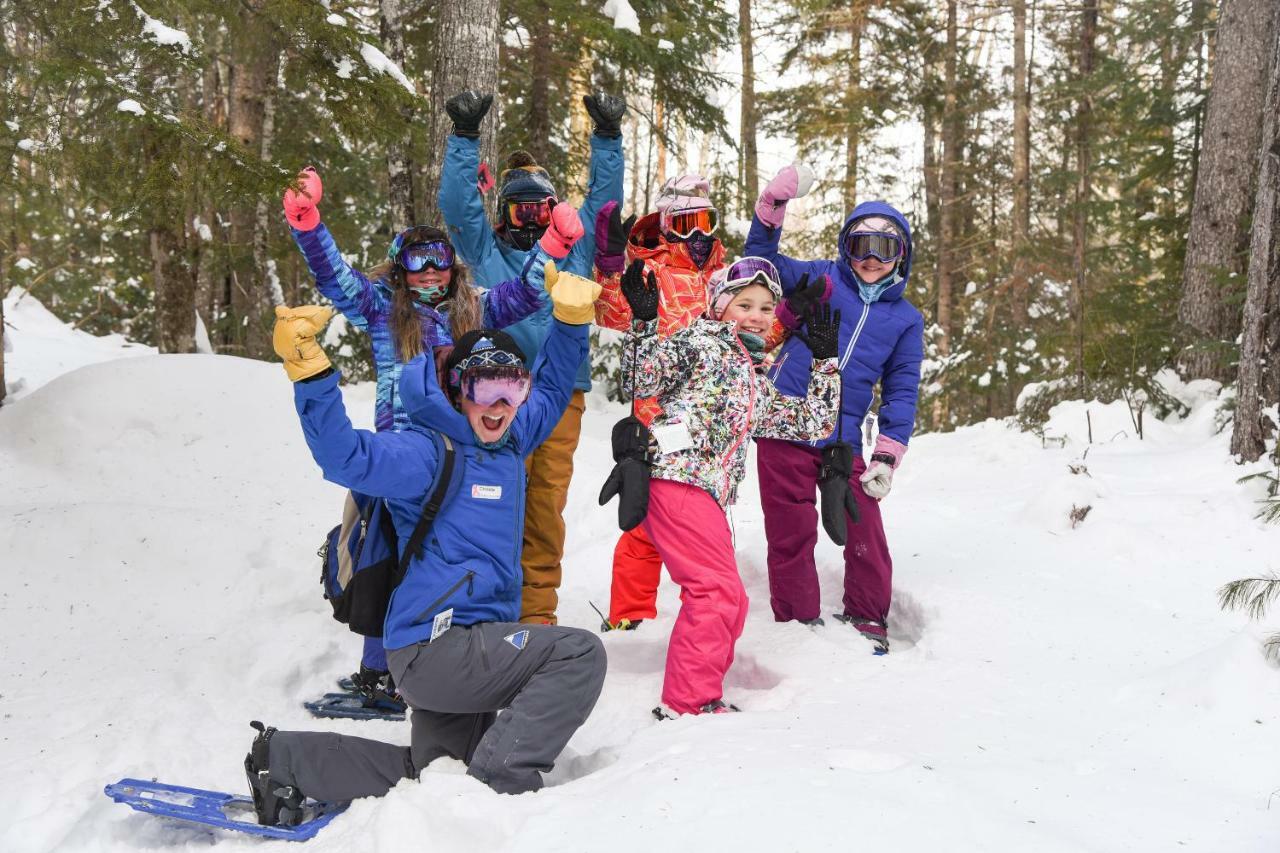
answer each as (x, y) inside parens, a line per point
(874, 631)
(369, 694)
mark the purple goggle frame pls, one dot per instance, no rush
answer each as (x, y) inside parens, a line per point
(418, 256)
(485, 386)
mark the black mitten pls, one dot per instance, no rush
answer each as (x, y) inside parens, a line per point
(833, 486)
(629, 478)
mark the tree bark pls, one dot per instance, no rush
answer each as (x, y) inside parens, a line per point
(1084, 187)
(399, 151)
(659, 132)
(853, 102)
(541, 54)
(949, 183)
(1218, 234)
(749, 179)
(1019, 287)
(1262, 301)
(466, 57)
(175, 290)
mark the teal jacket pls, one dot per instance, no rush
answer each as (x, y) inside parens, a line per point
(494, 260)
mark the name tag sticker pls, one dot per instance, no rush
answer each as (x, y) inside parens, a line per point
(486, 493)
(672, 437)
(441, 623)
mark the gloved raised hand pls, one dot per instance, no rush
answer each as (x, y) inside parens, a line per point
(793, 181)
(300, 205)
(606, 113)
(641, 292)
(295, 342)
(573, 298)
(629, 478)
(833, 488)
(877, 480)
(821, 331)
(793, 308)
(565, 230)
(611, 238)
(467, 110)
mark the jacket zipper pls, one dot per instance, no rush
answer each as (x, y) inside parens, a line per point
(469, 579)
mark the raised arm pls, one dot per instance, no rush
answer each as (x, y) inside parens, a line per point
(460, 201)
(349, 290)
(793, 181)
(604, 184)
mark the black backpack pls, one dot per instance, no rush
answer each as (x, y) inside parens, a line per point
(360, 561)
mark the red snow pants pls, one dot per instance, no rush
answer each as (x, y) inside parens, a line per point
(690, 531)
(788, 493)
(637, 569)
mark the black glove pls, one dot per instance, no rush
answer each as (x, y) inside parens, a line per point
(619, 231)
(805, 295)
(822, 326)
(630, 476)
(641, 293)
(467, 111)
(606, 112)
(833, 486)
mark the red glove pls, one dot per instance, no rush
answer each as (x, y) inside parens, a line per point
(565, 230)
(300, 207)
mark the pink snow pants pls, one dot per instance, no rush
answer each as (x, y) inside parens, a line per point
(788, 494)
(690, 531)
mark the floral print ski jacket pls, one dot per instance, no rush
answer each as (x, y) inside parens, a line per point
(706, 384)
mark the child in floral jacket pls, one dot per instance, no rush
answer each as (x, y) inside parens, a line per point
(713, 398)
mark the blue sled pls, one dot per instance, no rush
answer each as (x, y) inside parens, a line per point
(354, 706)
(215, 808)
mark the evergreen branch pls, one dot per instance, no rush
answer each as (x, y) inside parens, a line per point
(1253, 595)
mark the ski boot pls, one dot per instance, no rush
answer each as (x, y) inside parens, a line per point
(275, 804)
(623, 624)
(874, 631)
(717, 706)
(377, 686)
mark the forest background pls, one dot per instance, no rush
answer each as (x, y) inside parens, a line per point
(1094, 185)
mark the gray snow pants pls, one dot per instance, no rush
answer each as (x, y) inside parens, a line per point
(544, 678)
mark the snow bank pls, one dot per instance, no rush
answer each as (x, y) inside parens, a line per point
(1050, 688)
(40, 347)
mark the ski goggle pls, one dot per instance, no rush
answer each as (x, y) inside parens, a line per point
(753, 270)
(418, 256)
(485, 386)
(529, 214)
(874, 244)
(685, 223)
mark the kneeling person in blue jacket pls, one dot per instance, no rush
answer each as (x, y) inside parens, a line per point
(452, 632)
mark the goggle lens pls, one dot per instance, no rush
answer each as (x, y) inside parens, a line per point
(874, 244)
(686, 223)
(750, 268)
(419, 256)
(529, 214)
(487, 385)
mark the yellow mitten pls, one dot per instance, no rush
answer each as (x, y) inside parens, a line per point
(295, 339)
(573, 298)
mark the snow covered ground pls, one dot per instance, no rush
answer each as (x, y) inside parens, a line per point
(1050, 688)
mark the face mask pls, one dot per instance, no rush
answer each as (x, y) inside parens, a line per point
(754, 344)
(700, 246)
(432, 294)
(524, 238)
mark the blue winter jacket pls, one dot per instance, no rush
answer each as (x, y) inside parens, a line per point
(470, 560)
(881, 342)
(367, 305)
(493, 260)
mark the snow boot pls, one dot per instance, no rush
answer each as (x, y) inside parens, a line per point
(718, 706)
(874, 631)
(274, 803)
(623, 624)
(815, 622)
(376, 685)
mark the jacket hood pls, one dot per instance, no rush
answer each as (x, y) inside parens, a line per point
(646, 243)
(427, 405)
(878, 208)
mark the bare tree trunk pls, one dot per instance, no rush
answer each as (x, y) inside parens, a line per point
(1262, 301)
(575, 181)
(1018, 290)
(399, 156)
(264, 268)
(466, 57)
(948, 203)
(749, 179)
(853, 102)
(541, 56)
(1084, 188)
(659, 132)
(175, 290)
(1223, 195)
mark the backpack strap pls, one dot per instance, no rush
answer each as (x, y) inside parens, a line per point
(431, 507)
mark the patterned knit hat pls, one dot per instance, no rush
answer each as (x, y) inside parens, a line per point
(525, 180)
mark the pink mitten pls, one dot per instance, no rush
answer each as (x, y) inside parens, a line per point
(300, 207)
(793, 181)
(565, 230)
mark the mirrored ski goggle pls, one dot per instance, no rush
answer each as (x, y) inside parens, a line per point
(529, 214)
(874, 244)
(685, 223)
(418, 256)
(753, 270)
(488, 385)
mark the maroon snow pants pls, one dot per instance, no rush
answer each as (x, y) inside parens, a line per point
(788, 493)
